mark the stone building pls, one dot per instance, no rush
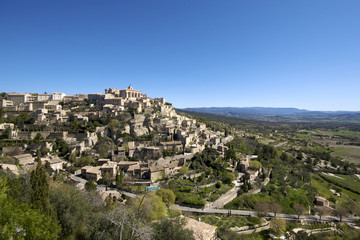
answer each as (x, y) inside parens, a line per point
(108, 168)
(130, 93)
(118, 155)
(58, 96)
(43, 97)
(18, 98)
(91, 173)
(156, 173)
(6, 103)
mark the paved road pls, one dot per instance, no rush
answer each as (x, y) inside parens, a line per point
(225, 198)
(255, 214)
(78, 179)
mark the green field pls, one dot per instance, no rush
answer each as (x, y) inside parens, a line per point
(347, 133)
(323, 187)
(302, 135)
(348, 182)
(348, 154)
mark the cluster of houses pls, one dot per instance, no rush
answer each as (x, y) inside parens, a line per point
(181, 137)
(136, 172)
(31, 102)
(27, 162)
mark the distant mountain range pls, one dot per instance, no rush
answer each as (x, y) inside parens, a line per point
(268, 112)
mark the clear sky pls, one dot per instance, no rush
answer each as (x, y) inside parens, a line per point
(240, 53)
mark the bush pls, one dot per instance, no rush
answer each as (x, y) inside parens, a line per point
(227, 177)
(167, 196)
(214, 197)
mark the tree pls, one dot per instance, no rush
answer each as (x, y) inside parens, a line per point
(245, 187)
(255, 164)
(299, 209)
(114, 124)
(84, 161)
(227, 177)
(230, 154)
(278, 225)
(90, 186)
(275, 208)
(284, 157)
(38, 137)
(48, 168)
(262, 208)
(353, 207)
(167, 196)
(44, 150)
(150, 207)
(20, 221)
(299, 155)
(321, 211)
(72, 210)
(340, 211)
(119, 180)
(107, 180)
(61, 146)
(183, 170)
(39, 192)
(121, 223)
(226, 132)
(172, 229)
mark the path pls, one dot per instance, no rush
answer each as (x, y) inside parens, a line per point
(255, 214)
(280, 144)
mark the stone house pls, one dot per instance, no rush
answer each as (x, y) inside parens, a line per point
(150, 152)
(10, 167)
(24, 159)
(102, 161)
(84, 170)
(156, 173)
(124, 165)
(93, 173)
(118, 155)
(138, 170)
(6, 103)
(130, 93)
(18, 98)
(55, 163)
(58, 96)
(170, 145)
(171, 168)
(4, 126)
(320, 201)
(202, 126)
(109, 168)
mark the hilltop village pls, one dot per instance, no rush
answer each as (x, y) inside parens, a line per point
(147, 161)
(124, 130)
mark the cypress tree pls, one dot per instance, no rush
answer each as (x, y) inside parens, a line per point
(39, 193)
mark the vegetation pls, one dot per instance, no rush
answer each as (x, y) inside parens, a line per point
(172, 229)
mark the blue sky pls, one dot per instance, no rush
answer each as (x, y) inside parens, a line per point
(240, 53)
